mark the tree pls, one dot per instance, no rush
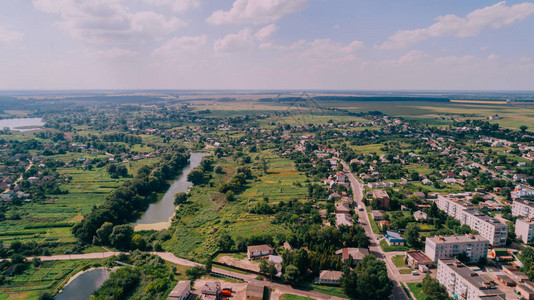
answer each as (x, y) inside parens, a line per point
(138, 242)
(219, 170)
(373, 281)
(291, 274)
(433, 290)
(523, 128)
(195, 176)
(269, 268)
(180, 198)
(121, 236)
(412, 234)
(103, 233)
(225, 242)
(230, 196)
(349, 283)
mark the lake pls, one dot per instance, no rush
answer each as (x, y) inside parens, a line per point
(158, 215)
(84, 285)
(22, 124)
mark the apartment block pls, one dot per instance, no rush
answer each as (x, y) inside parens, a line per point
(475, 247)
(524, 208)
(524, 230)
(465, 212)
(464, 284)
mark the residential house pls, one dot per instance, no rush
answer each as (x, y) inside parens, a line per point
(181, 291)
(383, 198)
(378, 215)
(343, 220)
(420, 216)
(341, 177)
(342, 208)
(329, 277)
(393, 238)
(357, 254)
(259, 251)
(418, 258)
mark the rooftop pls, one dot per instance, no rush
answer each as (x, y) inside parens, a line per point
(483, 284)
(468, 238)
(260, 248)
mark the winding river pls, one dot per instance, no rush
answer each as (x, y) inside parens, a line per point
(82, 286)
(158, 215)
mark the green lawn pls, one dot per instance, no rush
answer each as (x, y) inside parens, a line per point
(405, 271)
(374, 227)
(399, 261)
(417, 290)
(388, 248)
(293, 297)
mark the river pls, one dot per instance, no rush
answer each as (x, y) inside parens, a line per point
(158, 215)
(22, 124)
(84, 284)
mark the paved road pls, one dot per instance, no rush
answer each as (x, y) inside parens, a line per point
(180, 261)
(357, 189)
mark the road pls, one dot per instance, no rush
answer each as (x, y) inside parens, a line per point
(357, 190)
(21, 176)
(170, 257)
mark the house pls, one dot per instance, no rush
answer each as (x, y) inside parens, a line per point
(501, 254)
(357, 254)
(342, 208)
(378, 215)
(418, 258)
(287, 246)
(419, 195)
(211, 291)
(383, 224)
(255, 291)
(394, 239)
(426, 182)
(181, 291)
(334, 196)
(449, 180)
(343, 219)
(526, 290)
(259, 251)
(329, 277)
(383, 197)
(340, 176)
(420, 216)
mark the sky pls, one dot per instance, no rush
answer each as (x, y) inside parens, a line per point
(267, 44)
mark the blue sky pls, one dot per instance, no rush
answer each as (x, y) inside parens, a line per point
(267, 44)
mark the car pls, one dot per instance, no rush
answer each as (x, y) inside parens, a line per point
(415, 273)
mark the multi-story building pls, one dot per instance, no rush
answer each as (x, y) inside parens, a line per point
(522, 207)
(464, 284)
(465, 212)
(524, 230)
(475, 247)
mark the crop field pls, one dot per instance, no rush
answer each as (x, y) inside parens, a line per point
(48, 276)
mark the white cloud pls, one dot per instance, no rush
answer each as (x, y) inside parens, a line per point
(494, 16)
(235, 42)
(108, 21)
(256, 11)
(113, 53)
(266, 32)
(179, 6)
(8, 36)
(245, 40)
(181, 45)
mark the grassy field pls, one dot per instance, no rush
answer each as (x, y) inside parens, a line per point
(417, 290)
(387, 248)
(399, 261)
(207, 213)
(49, 276)
(293, 297)
(374, 227)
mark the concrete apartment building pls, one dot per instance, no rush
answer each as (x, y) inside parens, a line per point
(524, 208)
(524, 230)
(465, 212)
(464, 284)
(475, 247)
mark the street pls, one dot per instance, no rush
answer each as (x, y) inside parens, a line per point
(357, 189)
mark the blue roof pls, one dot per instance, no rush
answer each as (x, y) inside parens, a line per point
(393, 236)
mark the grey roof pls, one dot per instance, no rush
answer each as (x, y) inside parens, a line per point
(481, 283)
(180, 288)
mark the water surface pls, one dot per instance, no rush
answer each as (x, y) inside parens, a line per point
(163, 210)
(22, 124)
(84, 285)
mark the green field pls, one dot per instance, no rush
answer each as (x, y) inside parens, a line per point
(417, 290)
(387, 248)
(293, 297)
(399, 261)
(48, 277)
